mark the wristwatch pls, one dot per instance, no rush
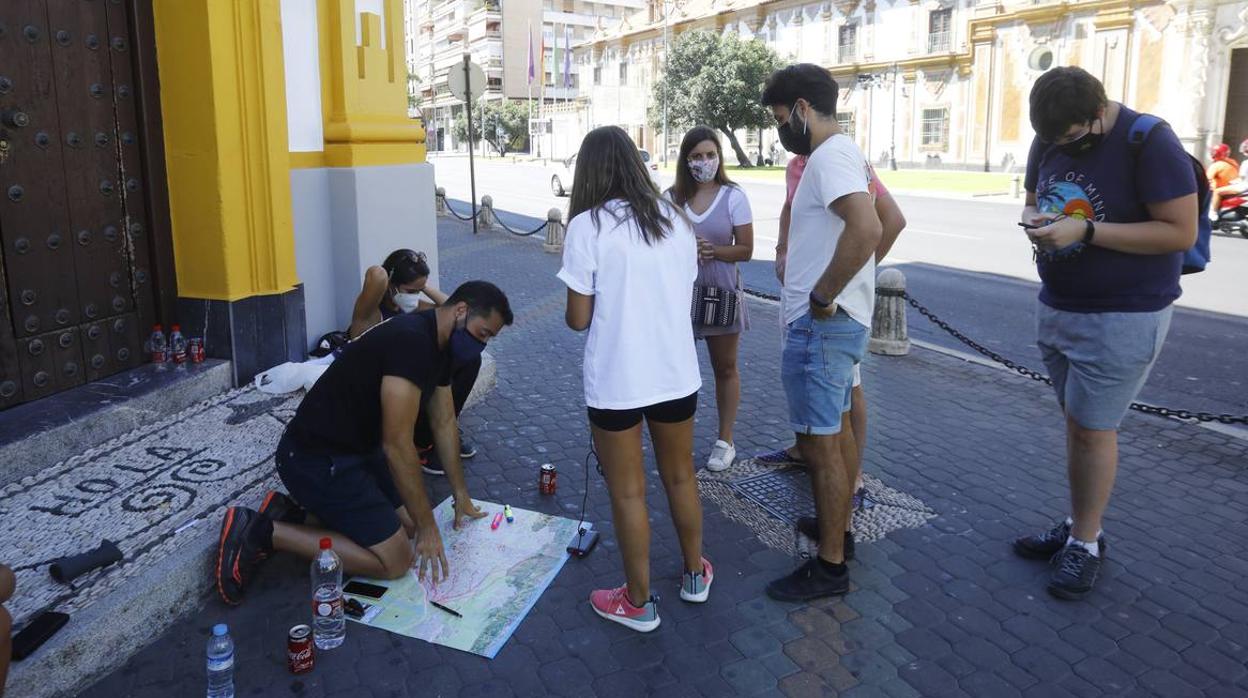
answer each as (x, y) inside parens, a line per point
(1089, 229)
(817, 301)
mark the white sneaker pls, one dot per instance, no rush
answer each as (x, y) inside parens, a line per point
(722, 456)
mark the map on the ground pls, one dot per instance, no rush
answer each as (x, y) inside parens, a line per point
(496, 577)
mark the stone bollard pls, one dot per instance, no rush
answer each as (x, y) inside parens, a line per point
(439, 201)
(1018, 187)
(486, 219)
(554, 231)
(888, 324)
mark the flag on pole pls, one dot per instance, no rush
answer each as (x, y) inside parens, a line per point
(567, 56)
(541, 61)
(532, 67)
(554, 58)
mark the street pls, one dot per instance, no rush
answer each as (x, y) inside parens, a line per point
(961, 234)
(969, 263)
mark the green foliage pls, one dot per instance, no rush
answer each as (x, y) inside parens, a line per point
(715, 81)
(504, 125)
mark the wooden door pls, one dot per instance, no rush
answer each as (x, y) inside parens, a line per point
(77, 287)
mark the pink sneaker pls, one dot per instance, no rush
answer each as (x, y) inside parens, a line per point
(613, 604)
(695, 587)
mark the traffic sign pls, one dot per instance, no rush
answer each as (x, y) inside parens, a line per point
(459, 81)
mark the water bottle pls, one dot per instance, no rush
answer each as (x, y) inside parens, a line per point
(220, 663)
(177, 346)
(329, 625)
(158, 346)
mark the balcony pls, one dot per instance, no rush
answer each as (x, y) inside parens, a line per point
(939, 42)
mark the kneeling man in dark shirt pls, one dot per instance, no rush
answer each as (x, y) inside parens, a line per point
(348, 459)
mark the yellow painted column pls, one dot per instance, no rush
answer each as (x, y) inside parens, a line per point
(223, 102)
(364, 88)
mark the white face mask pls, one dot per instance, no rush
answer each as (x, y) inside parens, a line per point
(407, 302)
(704, 171)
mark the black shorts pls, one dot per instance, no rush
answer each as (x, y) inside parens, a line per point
(350, 493)
(669, 412)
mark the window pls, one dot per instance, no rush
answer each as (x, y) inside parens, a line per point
(848, 43)
(939, 30)
(623, 73)
(597, 75)
(845, 119)
(935, 128)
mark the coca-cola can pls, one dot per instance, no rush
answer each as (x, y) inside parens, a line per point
(547, 479)
(196, 349)
(299, 652)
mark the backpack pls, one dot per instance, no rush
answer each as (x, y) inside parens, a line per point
(1194, 259)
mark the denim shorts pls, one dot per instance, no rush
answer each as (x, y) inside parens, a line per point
(817, 367)
(1099, 361)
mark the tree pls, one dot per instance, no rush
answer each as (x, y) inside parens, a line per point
(715, 81)
(504, 125)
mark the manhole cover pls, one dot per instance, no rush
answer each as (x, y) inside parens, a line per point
(783, 493)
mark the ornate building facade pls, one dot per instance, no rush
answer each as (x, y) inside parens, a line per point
(944, 83)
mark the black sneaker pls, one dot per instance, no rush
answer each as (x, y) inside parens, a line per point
(246, 536)
(808, 582)
(1076, 572)
(1045, 545)
(429, 462)
(278, 506)
(467, 449)
(809, 526)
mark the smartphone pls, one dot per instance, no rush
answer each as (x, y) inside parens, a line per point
(37, 632)
(583, 542)
(372, 591)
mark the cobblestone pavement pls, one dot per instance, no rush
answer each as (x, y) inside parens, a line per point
(940, 610)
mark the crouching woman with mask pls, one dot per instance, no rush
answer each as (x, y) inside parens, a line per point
(401, 285)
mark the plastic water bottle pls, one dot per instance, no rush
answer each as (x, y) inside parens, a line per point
(158, 345)
(177, 346)
(329, 625)
(220, 663)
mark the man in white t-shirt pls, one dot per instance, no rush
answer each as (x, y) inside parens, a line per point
(827, 301)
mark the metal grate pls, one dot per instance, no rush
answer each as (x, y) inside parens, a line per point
(784, 493)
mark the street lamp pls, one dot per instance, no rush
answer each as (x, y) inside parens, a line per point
(666, 85)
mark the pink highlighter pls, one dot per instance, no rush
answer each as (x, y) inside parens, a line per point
(498, 518)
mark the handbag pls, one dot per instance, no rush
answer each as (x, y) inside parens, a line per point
(714, 306)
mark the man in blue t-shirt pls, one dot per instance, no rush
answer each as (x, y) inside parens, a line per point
(1109, 227)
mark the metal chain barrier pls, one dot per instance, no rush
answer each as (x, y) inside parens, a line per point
(497, 219)
(1037, 376)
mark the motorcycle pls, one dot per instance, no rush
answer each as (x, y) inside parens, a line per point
(1233, 216)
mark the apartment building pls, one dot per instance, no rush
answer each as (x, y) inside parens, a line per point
(497, 35)
(944, 83)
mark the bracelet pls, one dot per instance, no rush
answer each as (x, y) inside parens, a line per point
(1089, 229)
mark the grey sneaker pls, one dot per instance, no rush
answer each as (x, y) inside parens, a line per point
(696, 586)
(615, 606)
(1076, 573)
(722, 456)
(1043, 546)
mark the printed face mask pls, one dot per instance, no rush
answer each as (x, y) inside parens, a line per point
(794, 142)
(407, 302)
(704, 170)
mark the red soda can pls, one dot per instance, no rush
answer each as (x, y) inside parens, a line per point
(299, 649)
(196, 350)
(547, 479)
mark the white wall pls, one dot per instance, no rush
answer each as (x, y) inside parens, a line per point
(314, 254)
(301, 50)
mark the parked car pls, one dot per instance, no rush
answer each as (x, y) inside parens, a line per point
(562, 172)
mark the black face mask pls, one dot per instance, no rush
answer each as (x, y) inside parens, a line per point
(794, 142)
(1082, 145)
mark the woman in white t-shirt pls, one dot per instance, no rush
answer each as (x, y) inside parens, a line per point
(724, 226)
(629, 261)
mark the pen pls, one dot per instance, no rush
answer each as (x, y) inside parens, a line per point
(435, 604)
(498, 518)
